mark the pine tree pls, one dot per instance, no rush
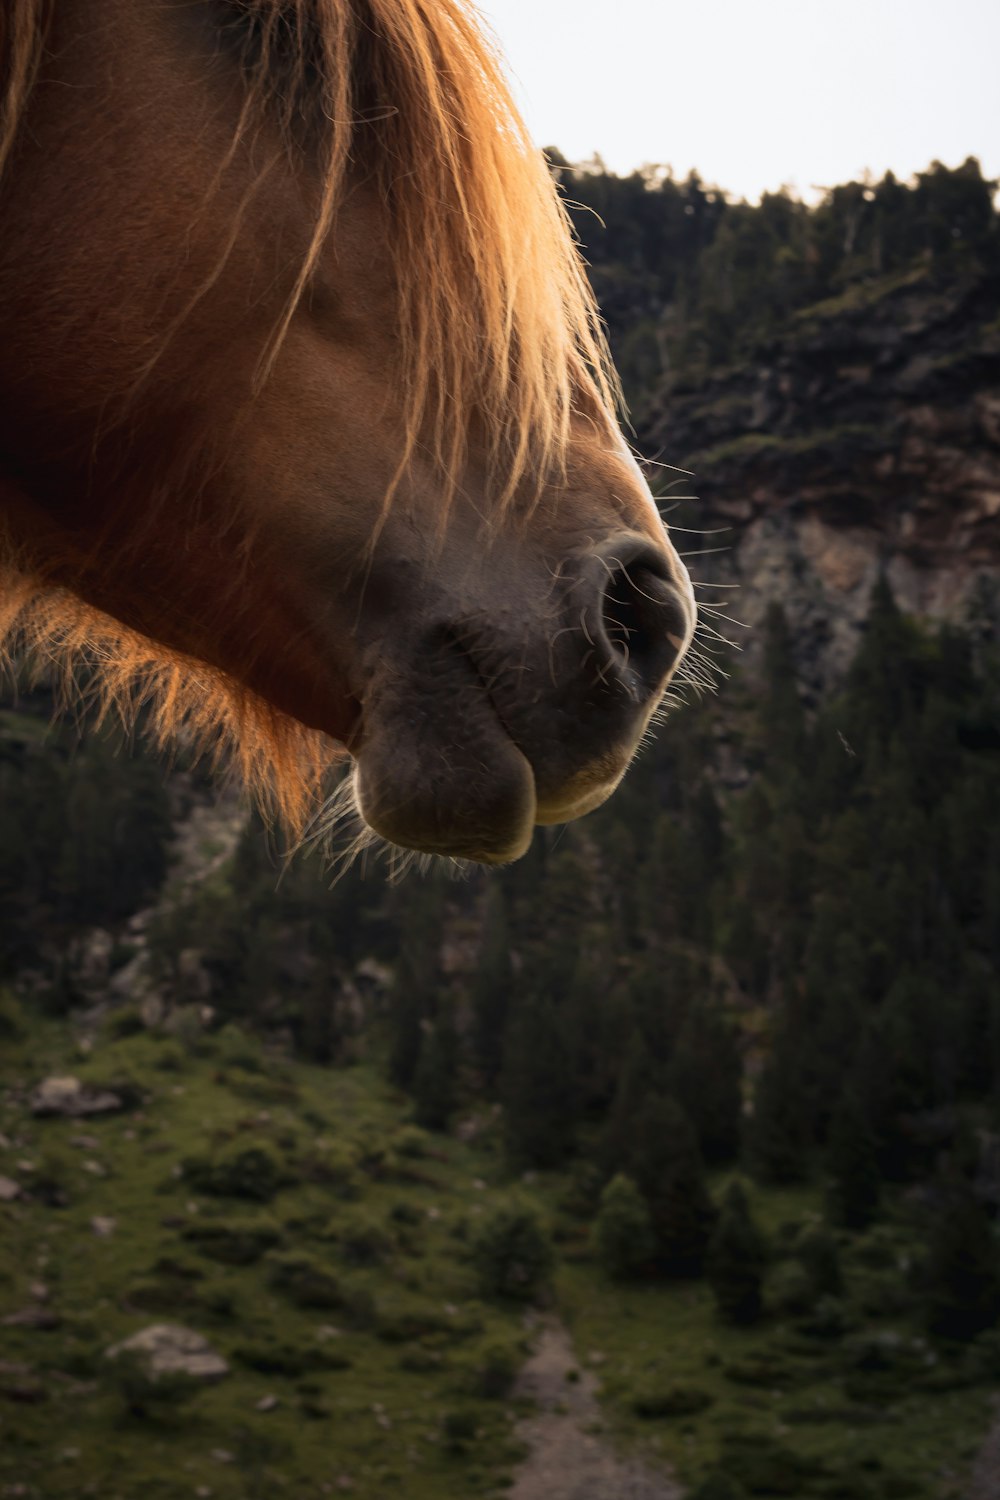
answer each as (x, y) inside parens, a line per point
(961, 1277)
(666, 1165)
(434, 1080)
(736, 1259)
(705, 1076)
(637, 1077)
(855, 1185)
(536, 1087)
(493, 986)
(623, 1230)
(816, 1251)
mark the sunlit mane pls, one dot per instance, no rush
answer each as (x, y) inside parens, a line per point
(496, 315)
(497, 323)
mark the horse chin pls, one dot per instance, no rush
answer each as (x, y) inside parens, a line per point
(469, 798)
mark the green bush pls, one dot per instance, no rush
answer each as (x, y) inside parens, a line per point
(235, 1242)
(674, 1400)
(406, 1213)
(512, 1254)
(412, 1142)
(404, 1319)
(496, 1369)
(334, 1164)
(361, 1239)
(790, 1289)
(125, 1022)
(290, 1360)
(304, 1280)
(459, 1428)
(235, 1048)
(816, 1250)
(254, 1171)
(140, 1392)
(831, 1318)
(718, 1486)
(12, 1027)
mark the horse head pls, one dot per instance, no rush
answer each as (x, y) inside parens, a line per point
(307, 428)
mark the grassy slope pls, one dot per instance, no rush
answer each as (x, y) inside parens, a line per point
(398, 1416)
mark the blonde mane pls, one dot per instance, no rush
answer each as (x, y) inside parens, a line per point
(496, 318)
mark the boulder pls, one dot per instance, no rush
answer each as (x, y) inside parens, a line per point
(167, 1349)
(71, 1098)
(9, 1190)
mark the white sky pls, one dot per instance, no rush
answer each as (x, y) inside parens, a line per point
(756, 93)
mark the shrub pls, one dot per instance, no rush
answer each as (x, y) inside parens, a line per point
(336, 1165)
(304, 1280)
(816, 1250)
(236, 1049)
(361, 1239)
(623, 1229)
(11, 1017)
(831, 1318)
(255, 1172)
(402, 1319)
(406, 1213)
(512, 1255)
(790, 1288)
(673, 1400)
(496, 1369)
(289, 1359)
(459, 1428)
(140, 1391)
(411, 1142)
(235, 1242)
(718, 1486)
(125, 1022)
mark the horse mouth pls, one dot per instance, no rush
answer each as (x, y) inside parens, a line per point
(441, 767)
(436, 769)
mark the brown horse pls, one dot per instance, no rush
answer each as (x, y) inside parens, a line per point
(307, 434)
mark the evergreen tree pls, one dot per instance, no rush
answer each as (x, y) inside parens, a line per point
(493, 985)
(705, 1076)
(855, 1182)
(665, 1163)
(536, 1087)
(623, 1230)
(637, 1077)
(961, 1276)
(816, 1251)
(434, 1081)
(736, 1259)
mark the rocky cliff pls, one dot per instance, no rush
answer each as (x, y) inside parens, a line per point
(864, 435)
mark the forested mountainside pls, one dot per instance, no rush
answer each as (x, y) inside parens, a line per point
(831, 378)
(714, 1073)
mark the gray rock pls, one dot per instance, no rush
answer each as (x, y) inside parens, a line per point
(9, 1190)
(71, 1098)
(170, 1349)
(103, 1226)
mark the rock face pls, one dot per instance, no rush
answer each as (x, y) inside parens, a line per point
(169, 1349)
(70, 1097)
(867, 437)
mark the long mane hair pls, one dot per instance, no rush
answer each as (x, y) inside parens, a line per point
(496, 319)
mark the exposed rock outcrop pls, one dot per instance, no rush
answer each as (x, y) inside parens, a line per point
(866, 437)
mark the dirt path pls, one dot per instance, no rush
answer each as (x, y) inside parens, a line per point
(984, 1483)
(568, 1462)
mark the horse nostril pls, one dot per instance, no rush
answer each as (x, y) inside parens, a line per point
(625, 626)
(643, 618)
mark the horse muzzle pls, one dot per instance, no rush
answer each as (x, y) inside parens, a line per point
(524, 708)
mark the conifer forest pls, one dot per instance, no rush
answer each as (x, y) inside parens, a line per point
(676, 1142)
